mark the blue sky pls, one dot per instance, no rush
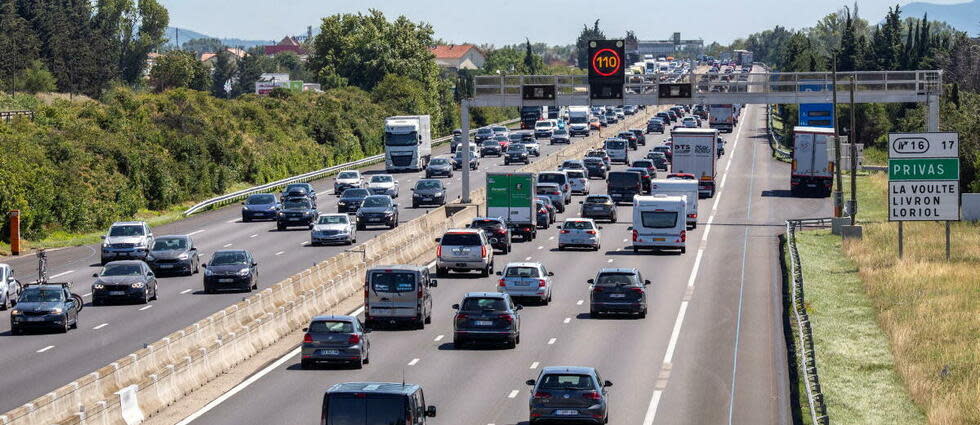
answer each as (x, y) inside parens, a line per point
(510, 21)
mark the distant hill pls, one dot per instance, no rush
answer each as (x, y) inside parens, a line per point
(186, 35)
(962, 16)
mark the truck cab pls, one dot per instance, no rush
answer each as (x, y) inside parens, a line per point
(408, 143)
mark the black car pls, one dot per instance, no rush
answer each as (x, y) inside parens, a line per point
(485, 133)
(439, 167)
(622, 186)
(516, 153)
(260, 206)
(664, 149)
(595, 167)
(599, 206)
(377, 210)
(618, 291)
(296, 212)
(458, 160)
(645, 177)
(659, 160)
(665, 117)
(497, 232)
(650, 166)
(629, 137)
(560, 135)
(351, 200)
(45, 307)
(655, 125)
(487, 316)
(299, 190)
(231, 269)
(641, 138)
(550, 206)
(569, 394)
(130, 280)
(173, 254)
(491, 147)
(428, 192)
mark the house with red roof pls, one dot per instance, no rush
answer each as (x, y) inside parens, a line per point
(288, 44)
(458, 56)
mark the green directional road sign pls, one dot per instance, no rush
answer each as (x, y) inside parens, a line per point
(924, 169)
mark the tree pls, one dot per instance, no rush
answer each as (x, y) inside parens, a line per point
(179, 69)
(249, 71)
(35, 79)
(225, 68)
(582, 43)
(506, 60)
(203, 45)
(531, 61)
(19, 46)
(142, 32)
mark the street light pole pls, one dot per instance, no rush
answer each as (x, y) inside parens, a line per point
(853, 139)
(464, 110)
(838, 193)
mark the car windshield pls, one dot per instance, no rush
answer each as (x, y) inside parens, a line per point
(296, 204)
(578, 225)
(574, 174)
(642, 164)
(169, 244)
(487, 224)
(593, 161)
(499, 129)
(355, 193)
(598, 200)
(617, 279)
(627, 134)
(516, 148)
(522, 271)
(122, 270)
(615, 144)
(551, 178)
(348, 175)
(661, 148)
(264, 199)
(351, 409)
(381, 179)
(391, 281)
(228, 258)
(377, 201)
(298, 187)
(39, 295)
(561, 132)
(331, 327)
(571, 164)
(658, 219)
(640, 171)
(542, 125)
(428, 184)
(465, 239)
(332, 219)
(491, 144)
(133, 230)
(623, 179)
(401, 139)
(439, 161)
(515, 136)
(547, 189)
(484, 131)
(483, 304)
(566, 382)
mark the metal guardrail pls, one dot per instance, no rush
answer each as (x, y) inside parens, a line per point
(805, 351)
(305, 177)
(6, 116)
(774, 139)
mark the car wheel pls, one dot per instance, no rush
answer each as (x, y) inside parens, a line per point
(643, 314)
(485, 272)
(415, 204)
(6, 303)
(280, 227)
(245, 219)
(593, 314)
(683, 250)
(156, 293)
(613, 219)
(306, 364)
(459, 343)
(255, 284)
(64, 329)
(441, 272)
(15, 331)
(561, 247)
(146, 296)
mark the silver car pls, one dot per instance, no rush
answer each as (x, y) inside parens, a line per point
(335, 339)
(464, 250)
(553, 192)
(333, 228)
(526, 280)
(579, 232)
(347, 180)
(578, 181)
(126, 240)
(383, 184)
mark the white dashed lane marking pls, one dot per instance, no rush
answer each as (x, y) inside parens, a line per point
(567, 320)
(552, 341)
(280, 253)
(534, 365)
(439, 338)
(61, 274)
(100, 326)
(226, 245)
(186, 291)
(51, 346)
(513, 394)
(413, 362)
(146, 307)
(195, 232)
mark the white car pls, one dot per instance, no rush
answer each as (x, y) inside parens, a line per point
(690, 122)
(579, 232)
(10, 288)
(383, 184)
(578, 181)
(333, 228)
(347, 180)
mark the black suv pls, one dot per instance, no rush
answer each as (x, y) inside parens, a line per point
(599, 206)
(497, 232)
(296, 212)
(595, 167)
(516, 153)
(351, 200)
(655, 125)
(377, 210)
(490, 147)
(629, 137)
(231, 269)
(618, 290)
(130, 280)
(428, 192)
(487, 316)
(299, 190)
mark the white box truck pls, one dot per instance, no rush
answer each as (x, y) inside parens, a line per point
(812, 166)
(677, 187)
(408, 143)
(658, 223)
(578, 121)
(721, 117)
(695, 153)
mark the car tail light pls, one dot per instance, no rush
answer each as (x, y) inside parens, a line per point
(592, 395)
(507, 318)
(483, 251)
(354, 339)
(542, 394)
(500, 231)
(683, 235)
(636, 235)
(366, 294)
(543, 211)
(692, 216)
(542, 283)
(461, 317)
(307, 339)
(591, 232)
(637, 290)
(596, 289)
(564, 232)
(501, 283)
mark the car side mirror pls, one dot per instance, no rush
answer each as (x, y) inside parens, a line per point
(95, 275)
(455, 306)
(581, 202)
(467, 226)
(519, 307)
(590, 281)
(607, 384)
(600, 227)
(194, 248)
(254, 264)
(500, 273)
(438, 239)
(366, 330)
(551, 273)
(150, 274)
(412, 189)
(431, 410)
(306, 329)
(102, 237)
(433, 283)
(530, 382)
(629, 228)
(243, 203)
(204, 265)
(646, 283)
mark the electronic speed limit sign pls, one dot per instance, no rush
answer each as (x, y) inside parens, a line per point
(607, 68)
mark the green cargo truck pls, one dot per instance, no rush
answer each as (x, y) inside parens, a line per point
(511, 196)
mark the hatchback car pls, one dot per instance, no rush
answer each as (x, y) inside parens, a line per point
(458, 160)
(579, 232)
(124, 280)
(659, 160)
(487, 316)
(629, 137)
(231, 269)
(428, 192)
(526, 280)
(645, 177)
(553, 192)
(45, 307)
(578, 181)
(517, 153)
(491, 147)
(351, 200)
(560, 136)
(377, 210)
(543, 214)
(595, 167)
(260, 206)
(619, 291)
(559, 178)
(439, 167)
(333, 229)
(550, 206)
(174, 254)
(335, 339)
(569, 394)
(641, 137)
(601, 154)
(664, 149)
(689, 122)
(383, 184)
(496, 231)
(347, 180)
(599, 206)
(655, 125)
(572, 164)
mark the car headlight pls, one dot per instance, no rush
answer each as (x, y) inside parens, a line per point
(341, 203)
(281, 214)
(244, 207)
(16, 312)
(307, 213)
(56, 310)
(137, 285)
(438, 194)
(183, 256)
(243, 272)
(98, 286)
(208, 272)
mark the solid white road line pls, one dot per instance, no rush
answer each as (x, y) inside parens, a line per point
(513, 394)
(439, 338)
(527, 259)
(232, 220)
(100, 326)
(186, 291)
(534, 365)
(146, 307)
(552, 341)
(697, 263)
(226, 245)
(251, 380)
(195, 232)
(551, 238)
(280, 253)
(652, 409)
(61, 274)
(305, 243)
(610, 260)
(253, 236)
(45, 349)
(541, 247)
(413, 362)
(676, 333)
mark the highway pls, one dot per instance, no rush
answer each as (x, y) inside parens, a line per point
(710, 351)
(35, 364)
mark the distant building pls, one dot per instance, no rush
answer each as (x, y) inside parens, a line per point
(288, 44)
(151, 61)
(458, 56)
(211, 58)
(675, 46)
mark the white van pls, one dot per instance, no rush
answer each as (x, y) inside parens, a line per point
(617, 149)
(659, 223)
(688, 188)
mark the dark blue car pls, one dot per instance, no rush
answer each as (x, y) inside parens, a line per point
(260, 206)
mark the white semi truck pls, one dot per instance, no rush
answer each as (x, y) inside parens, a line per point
(578, 120)
(722, 117)
(695, 152)
(408, 143)
(813, 165)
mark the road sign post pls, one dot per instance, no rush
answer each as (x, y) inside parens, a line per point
(923, 180)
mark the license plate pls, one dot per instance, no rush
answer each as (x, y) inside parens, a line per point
(617, 295)
(293, 218)
(659, 239)
(35, 319)
(566, 412)
(427, 199)
(523, 284)
(116, 293)
(483, 323)
(165, 266)
(226, 280)
(460, 264)
(374, 219)
(811, 185)
(328, 352)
